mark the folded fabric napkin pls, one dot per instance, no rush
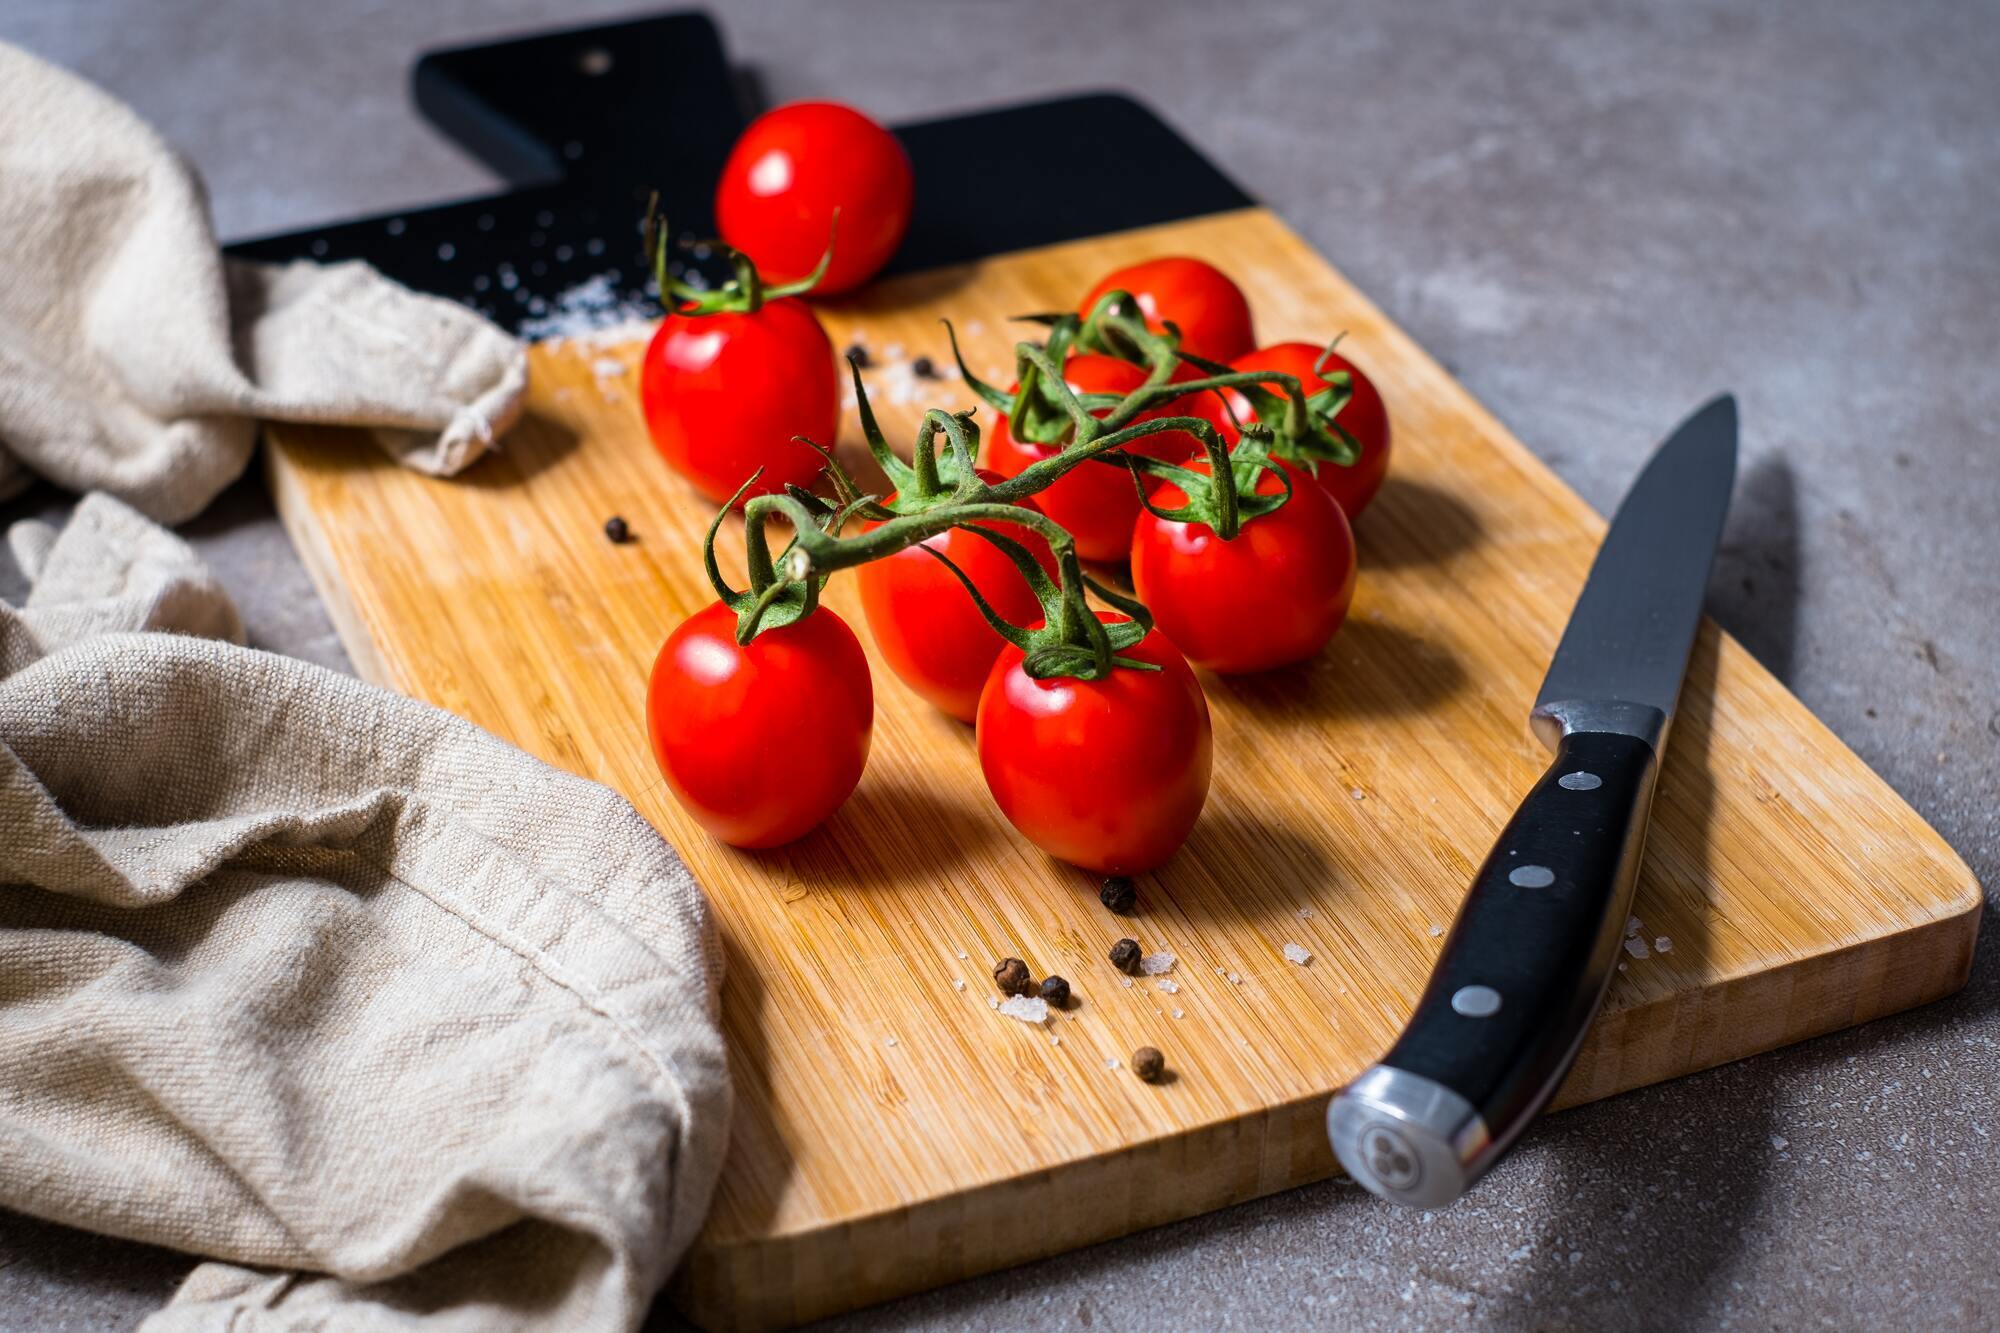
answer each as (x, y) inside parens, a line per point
(134, 359)
(398, 1026)
(409, 1028)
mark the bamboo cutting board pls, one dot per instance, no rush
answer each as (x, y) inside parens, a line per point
(893, 1132)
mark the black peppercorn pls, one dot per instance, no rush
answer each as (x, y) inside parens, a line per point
(1056, 991)
(923, 369)
(1148, 1063)
(1125, 956)
(1011, 976)
(859, 355)
(1119, 894)
(615, 528)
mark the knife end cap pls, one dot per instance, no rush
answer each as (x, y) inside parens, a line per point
(1407, 1138)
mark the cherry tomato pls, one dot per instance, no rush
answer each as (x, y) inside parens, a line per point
(725, 393)
(760, 742)
(1272, 595)
(1198, 297)
(1106, 774)
(788, 174)
(1097, 503)
(1364, 417)
(926, 625)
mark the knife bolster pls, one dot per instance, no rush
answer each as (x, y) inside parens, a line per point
(1557, 718)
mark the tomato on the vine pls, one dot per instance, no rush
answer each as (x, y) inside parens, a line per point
(1094, 502)
(1364, 417)
(925, 623)
(1272, 595)
(1108, 774)
(725, 393)
(760, 741)
(1201, 300)
(792, 170)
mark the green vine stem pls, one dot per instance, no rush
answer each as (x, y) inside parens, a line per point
(939, 487)
(745, 292)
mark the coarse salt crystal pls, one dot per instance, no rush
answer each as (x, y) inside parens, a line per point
(1664, 944)
(1157, 964)
(1235, 980)
(1171, 987)
(1780, 1142)
(1297, 953)
(1027, 1008)
(1436, 931)
(992, 1002)
(890, 1042)
(1111, 1062)
(962, 954)
(1055, 1039)
(1305, 914)
(1358, 794)
(1126, 982)
(958, 983)
(1180, 1013)
(1636, 947)
(1631, 925)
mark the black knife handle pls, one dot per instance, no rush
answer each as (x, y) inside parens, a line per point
(1521, 975)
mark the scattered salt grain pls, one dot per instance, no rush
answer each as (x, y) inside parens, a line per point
(1664, 944)
(1126, 982)
(1111, 1062)
(1636, 947)
(607, 368)
(1180, 1013)
(1157, 964)
(1631, 925)
(1027, 1008)
(1436, 931)
(595, 310)
(1779, 1142)
(1235, 980)
(993, 1001)
(1055, 1039)
(958, 984)
(890, 1042)
(1297, 953)
(962, 954)
(1358, 794)
(1621, 967)
(1171, 987)
(1305, 914)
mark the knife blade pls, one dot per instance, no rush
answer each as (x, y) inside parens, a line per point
(1526, 964)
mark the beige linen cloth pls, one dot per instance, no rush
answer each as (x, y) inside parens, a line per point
(399, 1027)
(134, 359)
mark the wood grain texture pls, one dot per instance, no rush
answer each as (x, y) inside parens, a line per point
(893, 1132)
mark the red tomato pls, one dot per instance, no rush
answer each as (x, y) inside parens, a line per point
(926, 625)
(1272, 595)
(1105, 774)
(760, 742)
(1198, 297)
(724, 394)
(1364, 417)
(1096, 503)
(788, 174)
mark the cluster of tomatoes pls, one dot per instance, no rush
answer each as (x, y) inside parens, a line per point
(1092, 729)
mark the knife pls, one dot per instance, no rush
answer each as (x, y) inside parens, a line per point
(1533, 950)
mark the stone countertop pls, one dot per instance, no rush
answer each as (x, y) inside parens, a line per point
(1597, 215)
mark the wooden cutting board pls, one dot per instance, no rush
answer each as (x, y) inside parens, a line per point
(893, 1132)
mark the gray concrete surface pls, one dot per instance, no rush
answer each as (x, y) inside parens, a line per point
(1597, 214)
